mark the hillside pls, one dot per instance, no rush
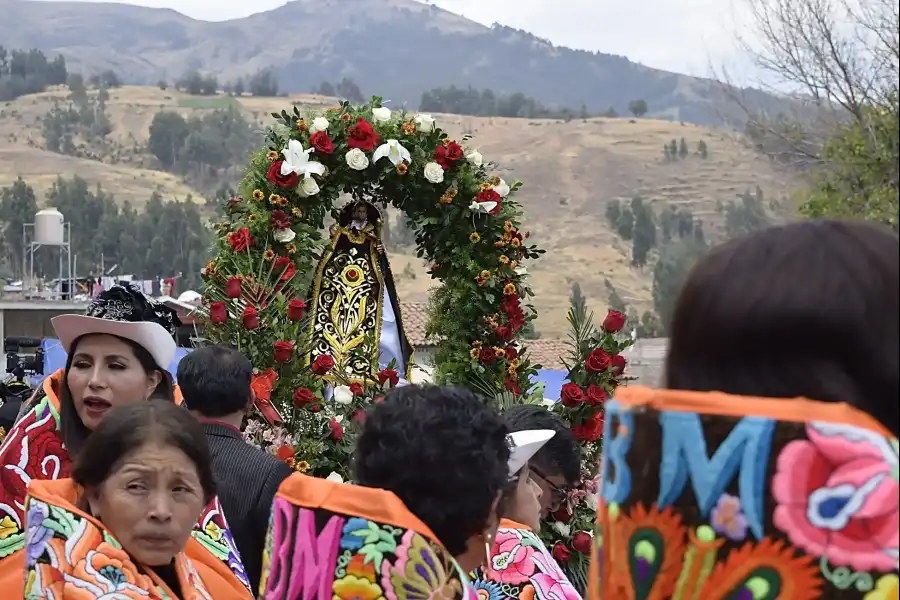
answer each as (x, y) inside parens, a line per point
(571, 170)
(397, 48)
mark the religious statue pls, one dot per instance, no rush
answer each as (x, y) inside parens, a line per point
(354, 298)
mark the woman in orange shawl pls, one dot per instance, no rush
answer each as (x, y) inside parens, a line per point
(116, 355)
(120, 526)
(753, 493)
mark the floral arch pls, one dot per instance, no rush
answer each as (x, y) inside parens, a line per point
(468, 227)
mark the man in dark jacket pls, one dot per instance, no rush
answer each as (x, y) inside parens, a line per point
(215, 384)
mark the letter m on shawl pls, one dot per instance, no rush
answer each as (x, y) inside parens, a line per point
(745, 453)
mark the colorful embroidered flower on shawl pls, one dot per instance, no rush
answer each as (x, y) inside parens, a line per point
(68, 556)
(716, 497)
(520, 568)
(316, 552)
(213, 532)
(32, 450)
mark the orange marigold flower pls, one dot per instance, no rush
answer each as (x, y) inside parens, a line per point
(446, 199)
(251, 218)
(499, 352)
(475, 352)
(504, 260)
(282, 201)
(508, 226)
(510, 289)
(291, 248)
(499, 243)
(272, 155)
(515, 242)
(302, 466)
(476, 344)
(486, 186)
(452, 192)
(408, 128)
(514, 264)
(485, 274)
(345, 117)
(402, 169)
(495, 180)
(474, 237)
(268, 255)
(273, 198)
(211, 266)
(296, 212)
(258, 195)
(511, 371)
(301, 124)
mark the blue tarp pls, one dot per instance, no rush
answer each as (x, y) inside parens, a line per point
(55, 359)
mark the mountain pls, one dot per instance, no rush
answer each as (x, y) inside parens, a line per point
(394, 48)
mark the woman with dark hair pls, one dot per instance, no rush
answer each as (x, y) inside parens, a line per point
(121, 526)
(431, 465)
(519, 565)
(117, 354)
(731, 483)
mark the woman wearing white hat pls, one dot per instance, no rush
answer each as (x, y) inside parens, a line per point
(519, 565)
(117, 353)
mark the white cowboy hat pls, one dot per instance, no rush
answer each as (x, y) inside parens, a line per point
(150, 336)
(524, 445)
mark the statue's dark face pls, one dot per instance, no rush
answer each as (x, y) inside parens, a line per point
(360, 213)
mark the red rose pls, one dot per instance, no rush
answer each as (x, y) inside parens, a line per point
(582, 542)
(618, 364)
(357, 389)
(512, 386)
(597, 361)
(321, 142)
(286, 265)
(590, 430)
(314, 408)
(560, 553)
(490, 195)
(240, 240)
(286, 454)
(283, 350)
(233, 287)
(511, 353)
(337, 432)
(447, 154)
(503, 332)
(596, 395)
(280, 219)
(286, 181)
(571, 395)
(614, 321)
(358, 416)
(322, 364)
(362, 136)
(388, 375)
(250, 318)
(218, 313)
(304, 396)
(487, 356)
(296, 309)
(562, 515)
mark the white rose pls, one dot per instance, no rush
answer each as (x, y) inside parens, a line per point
(475, 158)
(561, 528)
(592, 501)
(284, 236)
(342, 395)
(424, 122)
(357, 159)
(381, 114)
(502, 188)
(434, 172)
(308, 187)
(318, 124)
(335, 477)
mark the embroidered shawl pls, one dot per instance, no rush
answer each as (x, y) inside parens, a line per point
(330, 540)
(520, 567)
(33, 450)
(717, 497)
(69, 555)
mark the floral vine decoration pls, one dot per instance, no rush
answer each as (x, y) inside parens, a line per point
(596, 367)
(468, 228)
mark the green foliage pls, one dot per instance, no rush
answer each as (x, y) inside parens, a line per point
(73, 127)
(625, 224)
(670, 272)
(703, 149)
(613, 212)
(747, 215)
(263, 83)
(196, 84)
(28, 72)
(860, 178)
(346, 88)
(577, 300)
(486, 103)
(613, 299)
(644, 233)
(638, 108)
(17, 207)
(683, 149)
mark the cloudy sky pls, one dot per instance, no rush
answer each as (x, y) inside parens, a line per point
(685, 36)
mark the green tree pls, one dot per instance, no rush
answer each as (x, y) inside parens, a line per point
(18, 206)
(673, 149)
(577, 300)
(168, 132)
(613, 299)
(683, 149)
(625, 224)
(670, 272)
(613, 212)
(638, 108)
(703, 149)
(644, 235)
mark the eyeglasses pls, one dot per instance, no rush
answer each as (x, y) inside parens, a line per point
(557, 494)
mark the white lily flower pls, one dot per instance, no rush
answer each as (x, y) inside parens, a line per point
(475, 158)
(482, 207)
(335, 477)
(296, 160)
(394, 151)
(284, 236)
(381, 114)
(342, 395)
(502, 188)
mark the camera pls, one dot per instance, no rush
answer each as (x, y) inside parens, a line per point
(20, 364)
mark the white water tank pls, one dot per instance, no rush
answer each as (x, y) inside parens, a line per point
(48, 227)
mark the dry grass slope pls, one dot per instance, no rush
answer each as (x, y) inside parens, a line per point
(571, 170)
